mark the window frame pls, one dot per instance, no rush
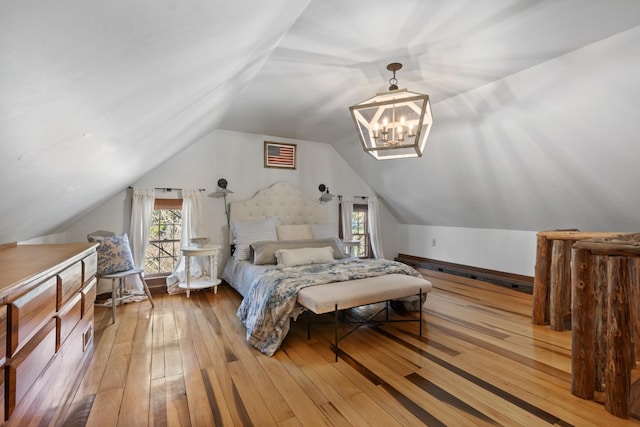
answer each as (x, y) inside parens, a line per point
(357, 208)
(169, 204)
(360, 208)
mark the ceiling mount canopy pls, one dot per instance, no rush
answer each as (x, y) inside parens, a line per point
(393, 124)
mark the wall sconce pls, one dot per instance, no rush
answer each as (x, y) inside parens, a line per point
(222, 191)
(325, 196)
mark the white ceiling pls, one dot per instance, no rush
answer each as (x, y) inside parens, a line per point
(335, 55)
(92, 91)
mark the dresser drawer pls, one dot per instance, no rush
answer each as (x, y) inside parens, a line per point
(25, 368)
(29, 312)
(90, 266)
(3, 335)
(2, 398)
(68, 318)
(69, 283)
(88, 296)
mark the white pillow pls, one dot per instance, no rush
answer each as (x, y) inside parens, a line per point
(304, 256)
(294, 232)
(324, 231)
(247, 232)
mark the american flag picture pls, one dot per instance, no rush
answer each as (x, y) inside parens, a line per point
(279, 155)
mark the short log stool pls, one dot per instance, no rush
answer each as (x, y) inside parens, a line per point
(605, 308)
(552, 281)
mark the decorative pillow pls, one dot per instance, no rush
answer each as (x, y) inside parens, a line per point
(114, 254)
(304, 256)
(324, 231)
(294, 232)
(248, 232)
(264, 252)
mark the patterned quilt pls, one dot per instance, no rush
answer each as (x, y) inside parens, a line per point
(266, 310)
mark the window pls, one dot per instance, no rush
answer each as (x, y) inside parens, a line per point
(360, 231)
(163, 250)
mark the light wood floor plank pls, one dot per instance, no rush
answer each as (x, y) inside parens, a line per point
(219, 408)
(370, 387)
(479, 362)
(157, 346)
(116, 370)
(105, 409)
(136, 397)
(178, 411)
(371, 412)
(158, 402)
(230, 330)
(198, 400)
(104, 339)
(301, 402)
(248, 392)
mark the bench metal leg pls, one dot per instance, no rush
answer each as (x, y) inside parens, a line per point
(336, 322)
(336, 331)
(420, 309)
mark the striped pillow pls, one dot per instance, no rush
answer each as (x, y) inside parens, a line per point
(247, 232)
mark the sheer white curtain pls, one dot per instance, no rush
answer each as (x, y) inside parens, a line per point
(374, 227)
(347, 213)
(142, 201)
(191, 226)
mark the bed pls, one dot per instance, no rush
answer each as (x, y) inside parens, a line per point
(288, 259)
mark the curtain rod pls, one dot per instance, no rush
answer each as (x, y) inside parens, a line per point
(170, 189)
(361, 197)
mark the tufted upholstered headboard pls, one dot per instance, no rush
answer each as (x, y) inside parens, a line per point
(281, 200)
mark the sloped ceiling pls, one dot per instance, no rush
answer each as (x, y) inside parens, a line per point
(91, 92)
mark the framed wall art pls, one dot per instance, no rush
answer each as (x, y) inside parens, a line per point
(279, 155)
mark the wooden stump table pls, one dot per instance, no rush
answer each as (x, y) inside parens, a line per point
(552, 281)
(605, 309)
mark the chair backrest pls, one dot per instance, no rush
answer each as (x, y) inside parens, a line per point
(101, 233)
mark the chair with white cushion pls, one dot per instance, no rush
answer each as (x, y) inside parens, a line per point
(115, 262)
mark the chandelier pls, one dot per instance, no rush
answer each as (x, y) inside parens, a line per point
(394, 124)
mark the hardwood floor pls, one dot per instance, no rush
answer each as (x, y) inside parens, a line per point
(479, 362)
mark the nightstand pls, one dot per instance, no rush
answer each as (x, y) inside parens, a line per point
(210, 251)
(349, 245)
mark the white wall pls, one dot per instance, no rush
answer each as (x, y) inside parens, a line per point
(45, 240)
(509, 251)
(238, 157)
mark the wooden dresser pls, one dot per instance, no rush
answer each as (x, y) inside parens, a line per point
(46, 319)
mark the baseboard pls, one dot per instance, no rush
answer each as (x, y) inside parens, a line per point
(510, 280)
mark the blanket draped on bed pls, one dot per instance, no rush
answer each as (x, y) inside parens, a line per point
(266, 310)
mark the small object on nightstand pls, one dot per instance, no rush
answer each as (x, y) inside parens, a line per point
(349, 245)
(198, 242)
(212, 252)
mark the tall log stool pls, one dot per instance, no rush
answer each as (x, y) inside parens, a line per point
(552, 280)
(605, 337)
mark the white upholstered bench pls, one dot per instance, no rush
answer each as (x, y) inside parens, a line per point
(338, 296)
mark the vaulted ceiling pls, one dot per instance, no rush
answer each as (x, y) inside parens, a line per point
(534, 101)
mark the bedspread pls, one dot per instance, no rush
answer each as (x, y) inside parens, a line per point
(266, 310)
